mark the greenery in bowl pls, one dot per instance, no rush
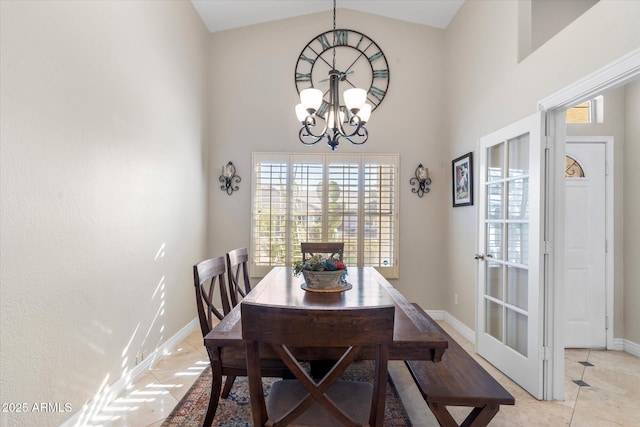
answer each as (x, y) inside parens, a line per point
(319, 263)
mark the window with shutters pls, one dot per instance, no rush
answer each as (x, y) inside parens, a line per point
(324, 198)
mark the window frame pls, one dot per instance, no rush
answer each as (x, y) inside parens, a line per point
(326, 160)
(595, 111)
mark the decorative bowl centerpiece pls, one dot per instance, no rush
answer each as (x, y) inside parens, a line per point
(322, 273)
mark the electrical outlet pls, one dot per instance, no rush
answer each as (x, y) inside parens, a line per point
(455, 299)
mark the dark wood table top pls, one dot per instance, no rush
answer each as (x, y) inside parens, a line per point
(415, 336)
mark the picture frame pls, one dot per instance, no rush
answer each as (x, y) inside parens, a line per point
(462, 180)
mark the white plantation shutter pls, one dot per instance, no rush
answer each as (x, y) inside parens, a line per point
(379, 214)
(269, 192)
(343, 220)
(324, 198)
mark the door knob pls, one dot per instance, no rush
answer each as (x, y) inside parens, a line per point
(479, 256)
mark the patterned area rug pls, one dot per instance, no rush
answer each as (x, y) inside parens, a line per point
(235, 411)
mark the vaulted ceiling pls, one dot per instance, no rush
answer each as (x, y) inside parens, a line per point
(219, 15)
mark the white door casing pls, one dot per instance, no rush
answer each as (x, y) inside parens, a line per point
(617, 73)
(510, 251)
(585, 244)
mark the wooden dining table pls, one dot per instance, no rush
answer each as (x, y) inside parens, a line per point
(415, 336)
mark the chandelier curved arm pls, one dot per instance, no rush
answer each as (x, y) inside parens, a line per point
(308, 125)
(359, 136)
(309, 139)
(307, 136)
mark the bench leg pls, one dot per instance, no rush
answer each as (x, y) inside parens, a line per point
(481, 416)
(442, 415)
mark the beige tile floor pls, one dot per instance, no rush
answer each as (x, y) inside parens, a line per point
(611, 399)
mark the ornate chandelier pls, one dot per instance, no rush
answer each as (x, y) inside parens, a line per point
(339, 121)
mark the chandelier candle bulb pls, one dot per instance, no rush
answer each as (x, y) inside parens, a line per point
(332, 123)
(365, 113)
(301, 113)
(311, 99)
(332, 119)
(355, 98)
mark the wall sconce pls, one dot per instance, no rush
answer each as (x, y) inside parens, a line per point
(228, 178)
(422, 181)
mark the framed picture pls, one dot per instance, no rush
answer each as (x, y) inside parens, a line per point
(462, 170)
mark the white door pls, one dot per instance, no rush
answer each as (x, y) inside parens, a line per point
(585, 245)
(510, 279)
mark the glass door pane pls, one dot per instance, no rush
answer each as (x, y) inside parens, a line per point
(507, 242)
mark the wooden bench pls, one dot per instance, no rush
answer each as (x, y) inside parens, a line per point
(458, 380)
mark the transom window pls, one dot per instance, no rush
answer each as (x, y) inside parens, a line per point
(591, 111)
(324, 198)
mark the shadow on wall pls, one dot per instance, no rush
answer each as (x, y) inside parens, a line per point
(103, 406)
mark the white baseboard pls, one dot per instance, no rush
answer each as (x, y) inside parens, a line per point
(630, 347)
(436, 314)
(460, 327)
(619, 344)
(109, 393)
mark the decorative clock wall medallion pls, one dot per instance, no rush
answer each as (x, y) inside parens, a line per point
(358, 59)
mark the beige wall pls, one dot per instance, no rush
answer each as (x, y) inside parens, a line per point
(103, 188)
(486, 89)
(253, 99)
(550, 17)
(632, 214)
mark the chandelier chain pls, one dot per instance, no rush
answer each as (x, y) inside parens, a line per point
(334, 34)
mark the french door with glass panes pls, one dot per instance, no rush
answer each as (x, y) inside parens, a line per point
(509, 326)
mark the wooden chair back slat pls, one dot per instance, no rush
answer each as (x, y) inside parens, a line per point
(237, 270)
(328, 248)
(207, 276)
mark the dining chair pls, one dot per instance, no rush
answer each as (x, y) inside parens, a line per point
(303, 400)
(313, 248)
(207, 276)
(237, 270)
